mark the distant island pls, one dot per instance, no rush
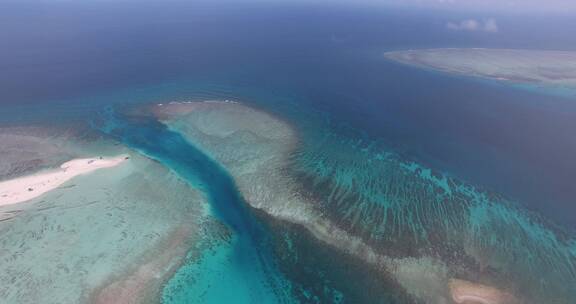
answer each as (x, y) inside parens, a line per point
(547, 68)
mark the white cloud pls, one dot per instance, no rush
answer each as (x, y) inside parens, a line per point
(465, 25)
(488, 25)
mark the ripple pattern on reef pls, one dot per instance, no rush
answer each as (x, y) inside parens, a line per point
(248, 258)
(403, 208)
(422, 226)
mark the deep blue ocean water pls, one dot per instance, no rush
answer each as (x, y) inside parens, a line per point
(71, 60)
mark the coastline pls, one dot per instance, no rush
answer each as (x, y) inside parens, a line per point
(22, 189)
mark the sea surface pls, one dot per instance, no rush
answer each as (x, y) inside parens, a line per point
(315, 66)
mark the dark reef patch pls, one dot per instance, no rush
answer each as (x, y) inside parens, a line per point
(321, 273)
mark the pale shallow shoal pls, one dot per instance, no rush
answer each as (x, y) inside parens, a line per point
(464, 292)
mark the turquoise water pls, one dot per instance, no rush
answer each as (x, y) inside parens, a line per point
(399, 206)
(395, 204)
(241, 269)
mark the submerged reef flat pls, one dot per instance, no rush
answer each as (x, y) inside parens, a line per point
(421, 228)
(402, 208)
(26, 150)
(111, 236)
(548, 68)
(253, 145)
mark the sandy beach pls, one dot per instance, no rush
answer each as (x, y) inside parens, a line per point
(25, 188)
(464, 292)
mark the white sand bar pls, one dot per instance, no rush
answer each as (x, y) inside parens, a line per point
(25, 188)
(464, 292)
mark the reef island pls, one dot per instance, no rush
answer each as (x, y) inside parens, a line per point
(538, 67)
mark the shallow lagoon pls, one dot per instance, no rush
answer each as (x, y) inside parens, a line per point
(70, 244)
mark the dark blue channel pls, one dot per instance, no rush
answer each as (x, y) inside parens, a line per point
(251, 251)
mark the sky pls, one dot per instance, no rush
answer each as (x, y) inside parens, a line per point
(510, 6)
(503, 6)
